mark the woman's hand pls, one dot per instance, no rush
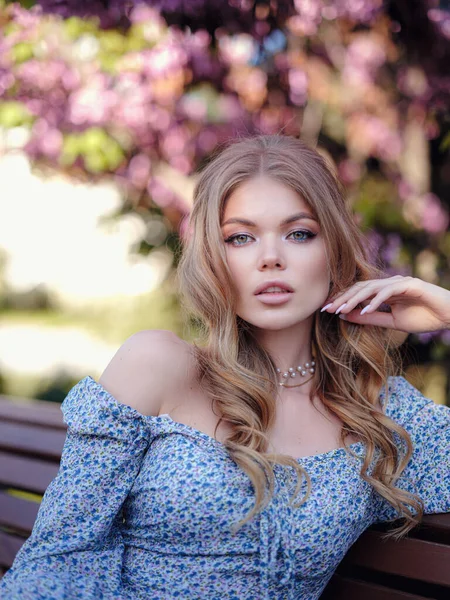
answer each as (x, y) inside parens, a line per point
(416, 306)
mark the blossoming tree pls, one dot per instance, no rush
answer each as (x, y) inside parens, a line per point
(143, 91)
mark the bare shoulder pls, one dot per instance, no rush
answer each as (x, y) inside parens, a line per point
(149, 367)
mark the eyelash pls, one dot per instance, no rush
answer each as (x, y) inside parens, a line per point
(232, 238)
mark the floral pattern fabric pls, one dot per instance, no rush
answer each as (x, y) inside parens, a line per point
(143, 508)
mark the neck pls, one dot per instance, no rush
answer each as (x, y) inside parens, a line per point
(288, 347)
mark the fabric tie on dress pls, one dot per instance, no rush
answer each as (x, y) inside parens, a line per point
(276, 538)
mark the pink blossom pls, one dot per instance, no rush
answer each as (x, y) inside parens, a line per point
(194, 106)
(206, 140)
(412, 81)
(164, 59)
(405, 189)
(182, 163)
(237, 49)
(44, 78)
(141, 13)
(175, 140)
(298, 83)
(435, 218)
(51, 143)
(364, 57)
(309, 15)
(363, 11)
(159, 193)
(92, 104)
(229, 107)
(349, 171)
(372, 136)
(139, 170)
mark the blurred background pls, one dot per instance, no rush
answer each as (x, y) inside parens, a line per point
(108, 108)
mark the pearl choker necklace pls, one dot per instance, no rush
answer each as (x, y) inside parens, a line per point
(308, 367)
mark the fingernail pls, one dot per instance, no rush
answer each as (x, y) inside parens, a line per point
(327, 306)
(366, 308)
(340, 308)
(343, 317)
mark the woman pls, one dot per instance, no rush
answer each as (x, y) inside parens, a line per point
(245, 468)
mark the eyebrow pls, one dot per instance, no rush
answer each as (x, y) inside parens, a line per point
(291, 219)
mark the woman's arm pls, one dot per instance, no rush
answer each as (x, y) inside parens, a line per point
(77, 531)
(428, 471)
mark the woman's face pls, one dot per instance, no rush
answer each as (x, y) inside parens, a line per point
(275, 253)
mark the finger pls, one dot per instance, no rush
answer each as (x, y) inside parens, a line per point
(365, 295)
(332, 305)
(360, 291)
(378, 319)
(391, 292)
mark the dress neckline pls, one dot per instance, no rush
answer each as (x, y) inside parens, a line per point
(341, 450)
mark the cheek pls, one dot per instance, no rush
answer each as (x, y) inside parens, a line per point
(237, 267)
(315, 271)
(314, 261)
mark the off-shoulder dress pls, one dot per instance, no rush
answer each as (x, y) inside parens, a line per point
(143, 508)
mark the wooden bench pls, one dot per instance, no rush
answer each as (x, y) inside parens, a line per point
(31, 439)
(32, 435)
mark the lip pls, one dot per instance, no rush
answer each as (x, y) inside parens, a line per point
(274, 298)
(281, 284)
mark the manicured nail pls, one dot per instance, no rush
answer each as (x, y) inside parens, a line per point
(327, 306)
(365, 309)
(343, 317)
(340, 308)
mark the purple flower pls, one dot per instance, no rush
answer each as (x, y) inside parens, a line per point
(364, 57)
(435, 218)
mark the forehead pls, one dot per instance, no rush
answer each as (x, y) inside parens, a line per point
(262, 195)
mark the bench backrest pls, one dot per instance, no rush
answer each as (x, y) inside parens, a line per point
(414, 568)
(32, 436)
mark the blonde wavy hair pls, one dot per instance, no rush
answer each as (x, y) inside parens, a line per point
(353, 362)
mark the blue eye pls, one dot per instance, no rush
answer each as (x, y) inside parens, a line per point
(301, 236)
(238, 240)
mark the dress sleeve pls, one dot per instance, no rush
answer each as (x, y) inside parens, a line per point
(428, 471)
(76, 549)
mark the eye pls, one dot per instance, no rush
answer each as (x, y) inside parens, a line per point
(300, 235)
(239, 239)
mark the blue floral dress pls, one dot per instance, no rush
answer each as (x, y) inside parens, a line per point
(143, 508)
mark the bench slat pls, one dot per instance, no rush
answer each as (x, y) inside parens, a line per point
(343, 588)
(435, 528)
(17, 513)
(30, 475)
(36, 412)
(27, 439)
(405, 557)
(9, 547)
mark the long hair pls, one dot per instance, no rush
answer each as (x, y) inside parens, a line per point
(353, 361)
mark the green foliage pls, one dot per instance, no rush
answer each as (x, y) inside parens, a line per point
(14, 114)
(25, 3)
(22, 52)
(99, 150)
(74, 27)
(377, 204)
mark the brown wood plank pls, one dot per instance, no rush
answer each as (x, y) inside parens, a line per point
(37, 412)
(17, 513)
(343, 588)
(435, 528)
(9, 547)
(412, 558)
(25, 473)
(32, 440)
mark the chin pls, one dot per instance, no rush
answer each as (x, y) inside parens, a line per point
(276, 322)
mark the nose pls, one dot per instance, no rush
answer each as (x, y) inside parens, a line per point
(271, 257)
